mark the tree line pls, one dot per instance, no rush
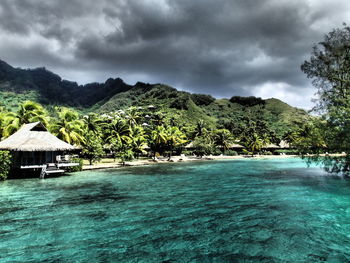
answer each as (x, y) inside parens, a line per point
(136, 131)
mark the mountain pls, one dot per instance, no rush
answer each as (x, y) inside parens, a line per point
(187, 108)
(43, 86)
(48, 88)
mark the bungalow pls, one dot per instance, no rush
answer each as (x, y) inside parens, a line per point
(35, 149)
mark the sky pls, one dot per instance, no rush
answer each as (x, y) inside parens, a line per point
(224, 47)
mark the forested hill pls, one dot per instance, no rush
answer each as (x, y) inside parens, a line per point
(47, 88)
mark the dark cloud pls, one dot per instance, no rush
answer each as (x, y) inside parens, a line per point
(222, 47)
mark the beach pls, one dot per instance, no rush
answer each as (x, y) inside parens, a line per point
(178, 159)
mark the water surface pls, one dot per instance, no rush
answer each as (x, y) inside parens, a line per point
(275, 210)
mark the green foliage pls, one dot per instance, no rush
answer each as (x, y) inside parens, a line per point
(125, 119)
(174, 138)
(180, 108)
(328, 67)
(253, 143)
(138, 140)
(158, 140)
(203, 145)
(223, 139)
(68, 126)
(311, 137)
(231, 153)
(5, 164)
(92, 148)
(125, 154)
(202, 99)
(78, 168)
(247, 101)
(27, 112)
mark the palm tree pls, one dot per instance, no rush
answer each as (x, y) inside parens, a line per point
(2, 121)
(199, 130)
(68, 126)
(159, 119)
(93, 123)
(138, 139)
(254, 143)
(223, 138)
(133, 116)
(118, 130)
(158, 139)
(174, 137)
(27, 112)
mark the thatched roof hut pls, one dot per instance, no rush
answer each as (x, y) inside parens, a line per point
(34, 137)
(189, 146)
(284, 144)
(271, 146)
(235, 146)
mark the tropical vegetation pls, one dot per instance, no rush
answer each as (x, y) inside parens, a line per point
(5, 164)
(128, 122)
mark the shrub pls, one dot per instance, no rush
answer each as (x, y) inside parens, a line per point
(247, 101)
(5, 164)
(202, 99)
(231, 153)
(76, 168)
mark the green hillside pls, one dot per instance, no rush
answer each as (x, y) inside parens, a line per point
(186, 109)
(189, 108)
(48, 88)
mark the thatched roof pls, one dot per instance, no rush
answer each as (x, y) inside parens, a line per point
(188, 146)
(284, 144)
(271, 146)
(34, 137)
(235, 145)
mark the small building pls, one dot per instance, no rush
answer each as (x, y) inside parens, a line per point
(236, 147)
(35, 149)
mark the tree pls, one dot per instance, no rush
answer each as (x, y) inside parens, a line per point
(158, 140)
(174, 137)
(125, 154)
(223, 139)
(117, 136)
(118, 130)
(133, 116)
(203, 145)
(254, 134)
(27, 112)
(310, 137)
(68, 126)
(200, 128)
(138, 140)
(5, 164)
(329, 69)
(2, 121)
(253, 143)
(93, 123)
(92, 147)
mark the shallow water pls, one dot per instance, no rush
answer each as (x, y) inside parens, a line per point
(225, 211)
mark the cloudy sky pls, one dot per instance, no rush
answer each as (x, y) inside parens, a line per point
(221, 47)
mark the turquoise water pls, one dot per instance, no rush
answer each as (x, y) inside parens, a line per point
(225, 211)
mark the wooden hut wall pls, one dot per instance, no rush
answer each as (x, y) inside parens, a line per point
(34, 158)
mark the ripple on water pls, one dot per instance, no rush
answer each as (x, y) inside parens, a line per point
(226, 211)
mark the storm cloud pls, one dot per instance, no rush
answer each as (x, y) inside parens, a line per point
(223, 47)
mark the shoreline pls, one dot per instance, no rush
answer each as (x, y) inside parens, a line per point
(179, 159)
(186, 159)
